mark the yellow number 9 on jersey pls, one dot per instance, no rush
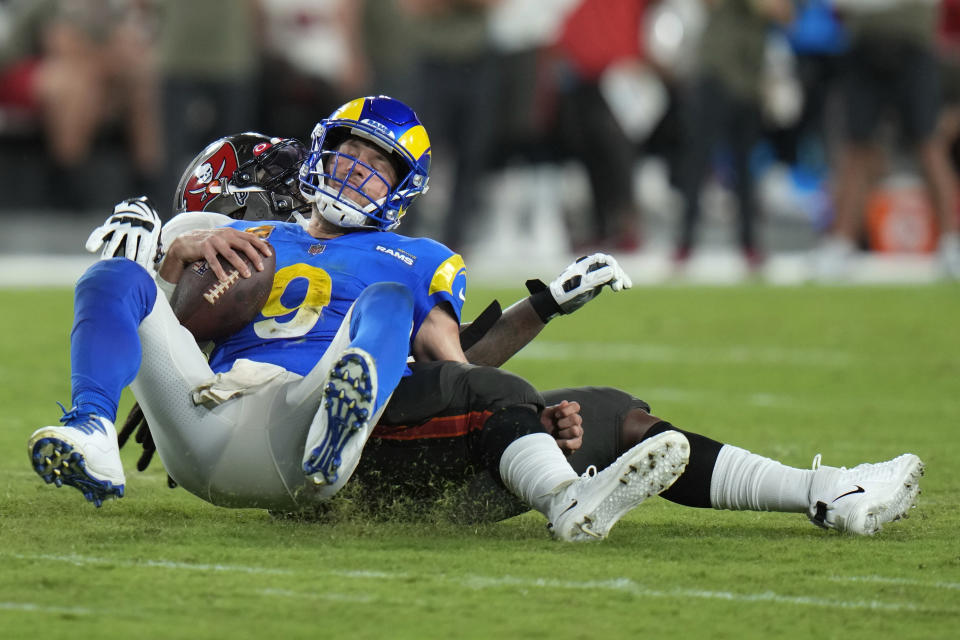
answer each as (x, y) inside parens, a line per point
(307, 312)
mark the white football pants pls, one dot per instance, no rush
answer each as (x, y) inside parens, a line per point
(248, 451)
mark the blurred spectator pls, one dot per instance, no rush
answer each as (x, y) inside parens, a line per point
(74, 66)
(672, 33)
(523, 33)
(890, 69)
(597, 62)
(389, 66)
(209, 59)
(312, 62)
(723, 103)
(949, 122)
(948, 48)
(524, 197)
(818, 40)
(455, 85)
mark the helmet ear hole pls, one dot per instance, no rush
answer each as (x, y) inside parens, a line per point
(400, 168)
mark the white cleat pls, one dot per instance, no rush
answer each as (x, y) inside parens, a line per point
(83, 454)
(348, 403)
(596, 501)
(862, 499)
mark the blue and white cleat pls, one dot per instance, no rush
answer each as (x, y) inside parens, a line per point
(83, 454)
(590, 505)
(348, 405)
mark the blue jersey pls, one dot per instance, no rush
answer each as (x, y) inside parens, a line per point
(317, 280)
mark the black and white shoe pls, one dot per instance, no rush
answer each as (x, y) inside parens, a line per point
(862, 499)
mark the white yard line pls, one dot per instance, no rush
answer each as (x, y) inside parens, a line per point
(690, 396)
(329, 596)
(951, 586)
(160, 564)
(626, 585)
(620, 585)
(645, 353)
(31, 607)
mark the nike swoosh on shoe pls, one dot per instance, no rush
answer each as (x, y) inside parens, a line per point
(858, 489)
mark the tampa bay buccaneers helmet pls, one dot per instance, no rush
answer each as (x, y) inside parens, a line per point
(247, 176)
(387, 123)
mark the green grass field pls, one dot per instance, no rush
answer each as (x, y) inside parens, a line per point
(855, 374)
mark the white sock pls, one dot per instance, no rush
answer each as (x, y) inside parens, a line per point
(745, 481)
(534, 469)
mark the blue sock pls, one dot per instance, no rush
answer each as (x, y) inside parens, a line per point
(110, 301)
(380, 325)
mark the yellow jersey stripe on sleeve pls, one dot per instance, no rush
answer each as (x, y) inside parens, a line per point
(445, 274)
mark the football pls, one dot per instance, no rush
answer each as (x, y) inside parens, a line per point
(211, 309)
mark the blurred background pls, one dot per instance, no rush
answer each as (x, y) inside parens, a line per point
(704, 140)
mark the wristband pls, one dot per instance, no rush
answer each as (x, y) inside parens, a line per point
(542, 301)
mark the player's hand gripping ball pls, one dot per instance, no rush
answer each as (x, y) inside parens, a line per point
(211, 309)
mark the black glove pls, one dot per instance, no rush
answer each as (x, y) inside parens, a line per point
(136, 421)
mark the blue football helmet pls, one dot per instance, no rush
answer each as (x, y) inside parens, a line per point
(391, 126)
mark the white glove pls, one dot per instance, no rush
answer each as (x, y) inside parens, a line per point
(133, 231)
(581, 281)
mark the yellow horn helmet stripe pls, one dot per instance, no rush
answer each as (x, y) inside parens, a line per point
(415, 141)
(350, 111)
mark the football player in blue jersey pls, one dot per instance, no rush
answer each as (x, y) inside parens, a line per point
(431, 433)
(278, 415)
